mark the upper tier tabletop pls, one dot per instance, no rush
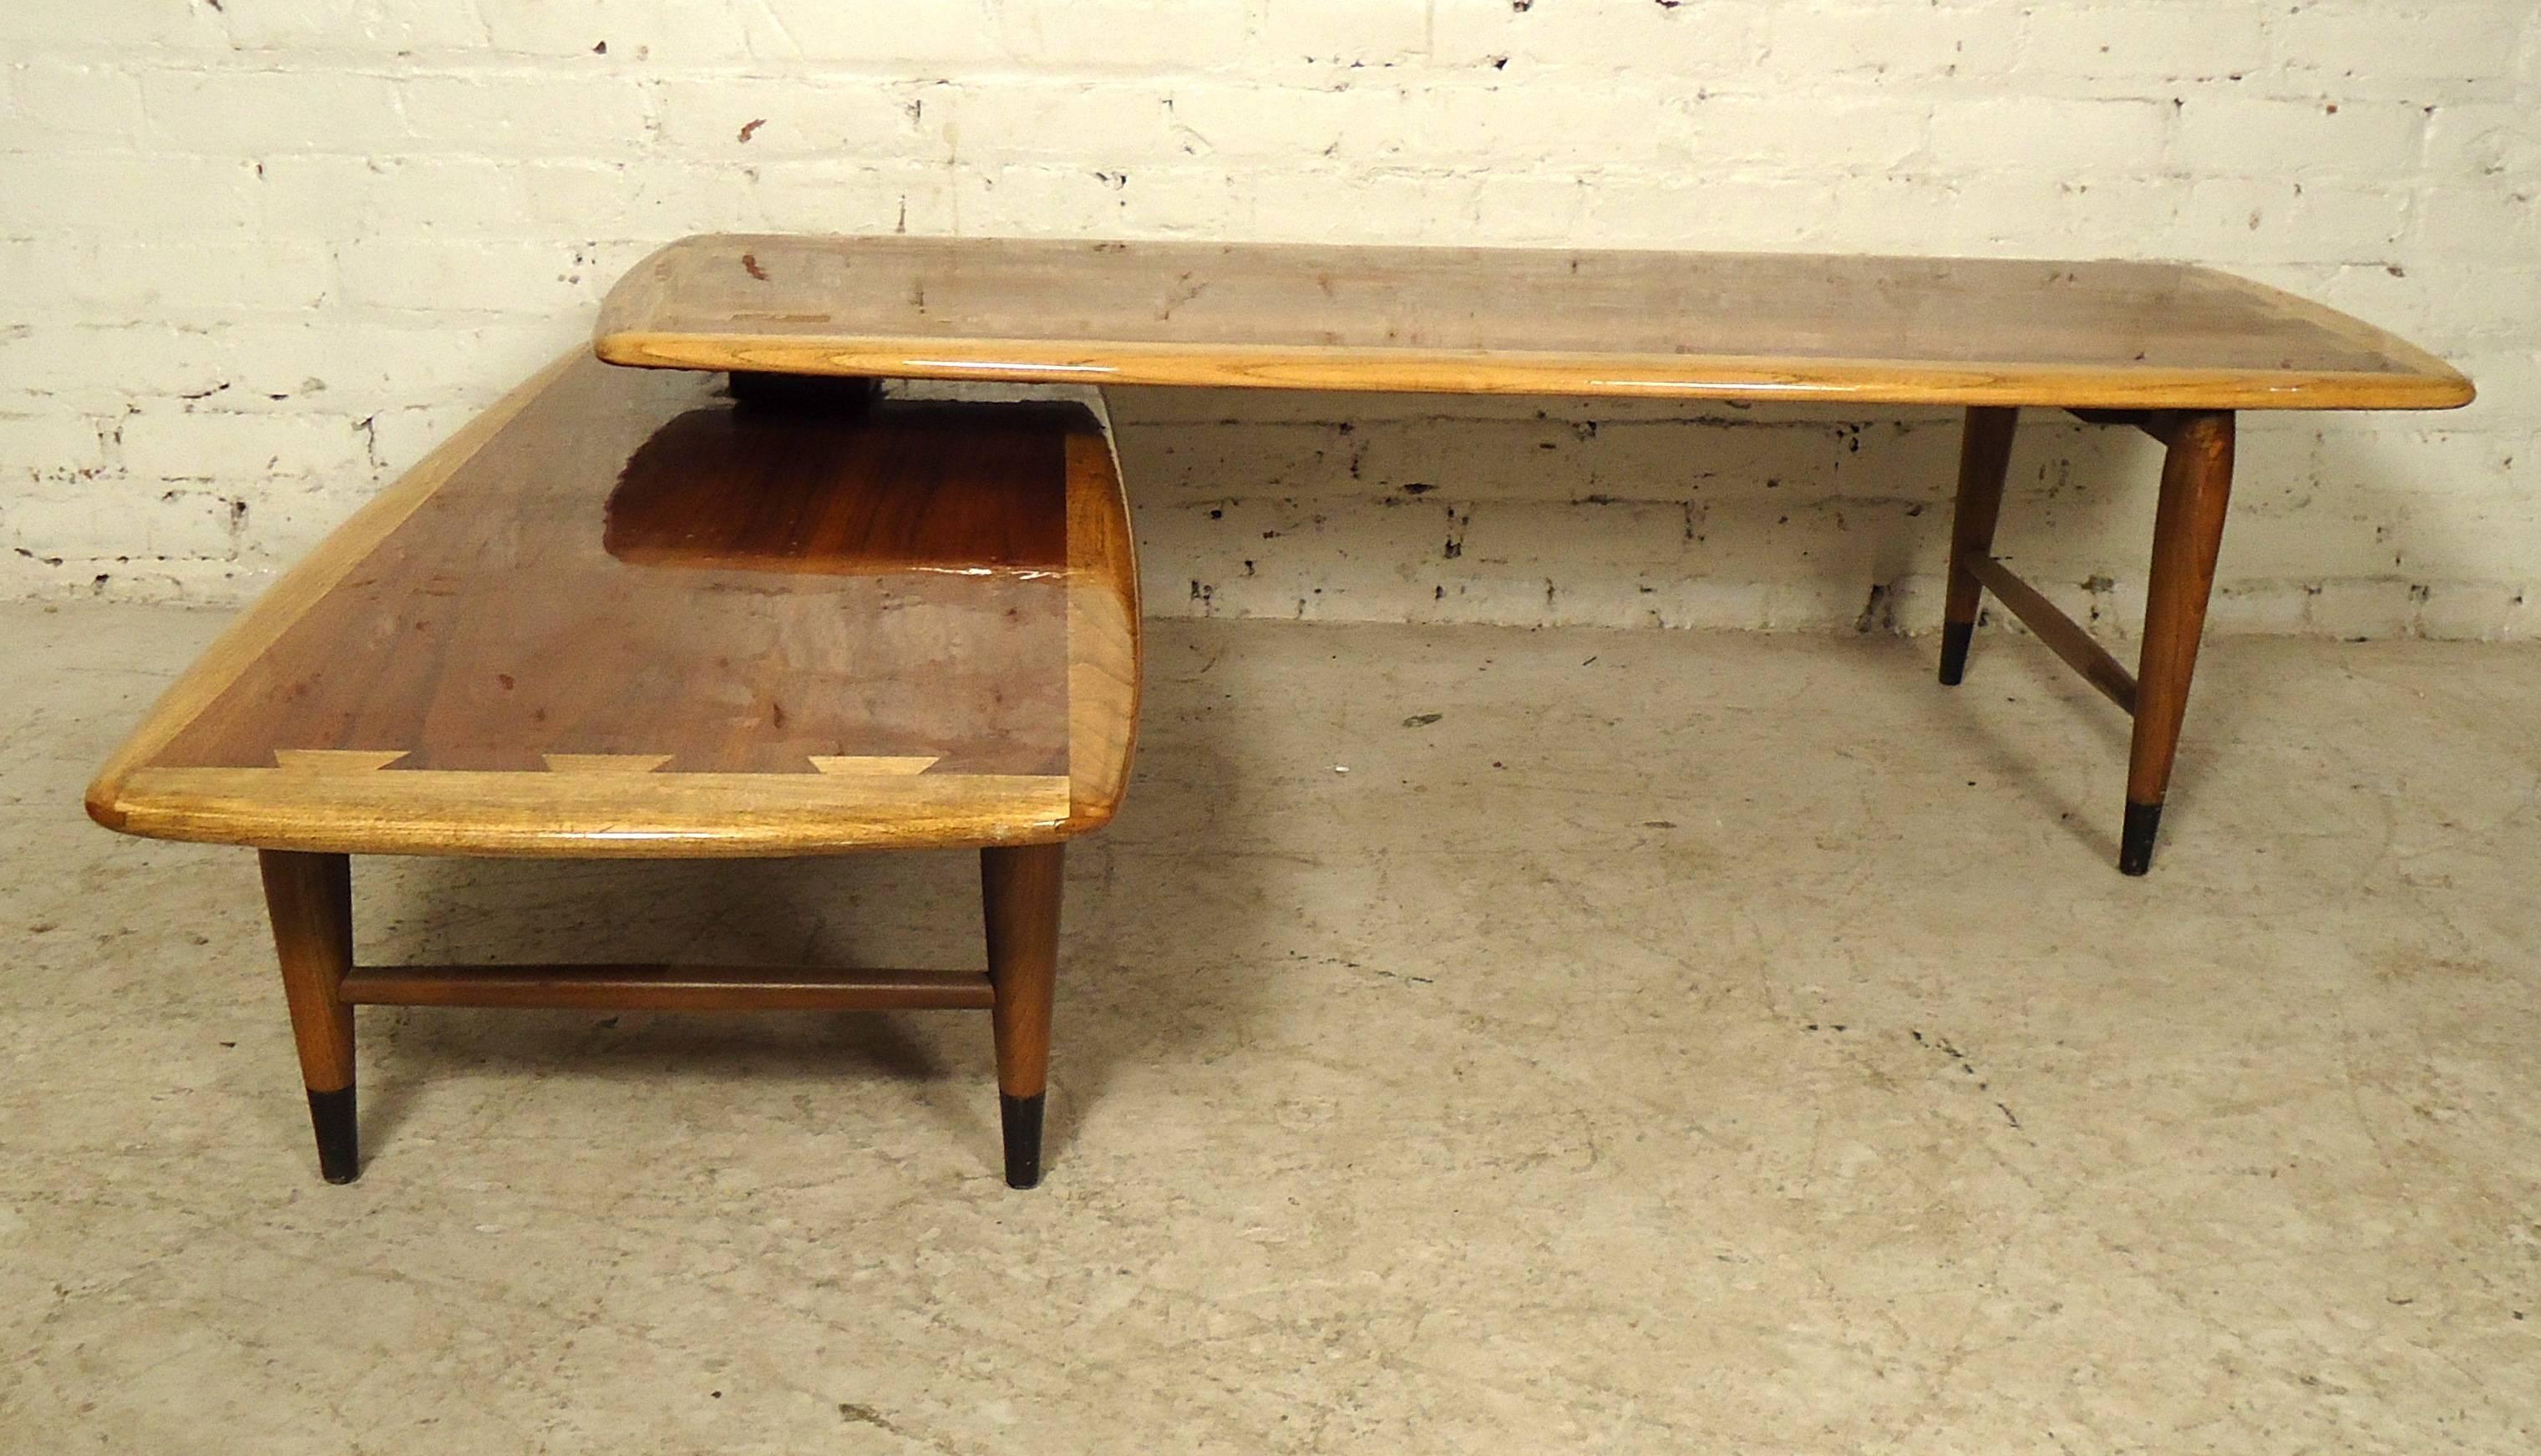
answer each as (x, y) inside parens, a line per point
(1510, 320)
(621, 615)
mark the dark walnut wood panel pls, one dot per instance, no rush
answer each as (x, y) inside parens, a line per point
(724, 489)
(625, 615)
(1509, 320)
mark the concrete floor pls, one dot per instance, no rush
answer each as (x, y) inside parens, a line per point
(1469, 1040)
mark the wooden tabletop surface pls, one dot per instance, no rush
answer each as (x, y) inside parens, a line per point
(621, 615)
(1510, 320)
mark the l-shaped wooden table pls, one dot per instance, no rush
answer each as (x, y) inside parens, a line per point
(628, 614)
(2170, 349)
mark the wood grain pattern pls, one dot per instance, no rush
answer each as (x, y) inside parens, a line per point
(263, 623)
(537, 814)
(633, 617)
(310, 897)
(1103, 626)
(1985, 455)
(1509, 320)
(1020, 888)
(2188, 535)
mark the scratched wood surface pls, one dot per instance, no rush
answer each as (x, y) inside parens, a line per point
(1509, 320)
(625, 616)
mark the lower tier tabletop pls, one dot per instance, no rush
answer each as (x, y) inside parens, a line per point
(623, 614)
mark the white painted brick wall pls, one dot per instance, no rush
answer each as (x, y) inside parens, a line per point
(256, 257)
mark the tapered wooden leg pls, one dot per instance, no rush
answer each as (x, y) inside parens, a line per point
(311, 900)
(1021, 886)
(2187, 533)
(1985, 455)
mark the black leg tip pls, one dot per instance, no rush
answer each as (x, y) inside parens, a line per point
(1955, 637)
(1021, 1117)
(2135, 847)
(338, 1138)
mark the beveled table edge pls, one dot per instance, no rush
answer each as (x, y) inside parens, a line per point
(529, 813)
(2428, 383)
